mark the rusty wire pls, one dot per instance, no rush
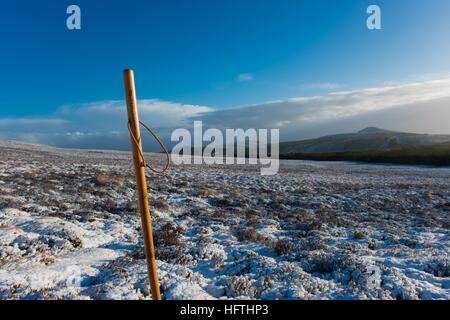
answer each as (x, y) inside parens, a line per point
(145, 163)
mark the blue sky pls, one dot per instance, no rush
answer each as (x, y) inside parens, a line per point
(217, 54)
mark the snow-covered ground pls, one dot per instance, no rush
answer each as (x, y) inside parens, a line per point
(69, 229)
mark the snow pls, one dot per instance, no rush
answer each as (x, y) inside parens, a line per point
(317, 230)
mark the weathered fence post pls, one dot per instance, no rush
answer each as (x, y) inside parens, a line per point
(139, 166)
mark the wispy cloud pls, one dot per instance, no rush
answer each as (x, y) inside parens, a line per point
(243, 77)
(9, 122)
(421, 106)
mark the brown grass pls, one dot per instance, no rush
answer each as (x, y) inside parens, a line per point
(168, 235)
(204, 193)
(104, 179)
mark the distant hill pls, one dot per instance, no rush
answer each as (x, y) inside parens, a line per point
(369, 139)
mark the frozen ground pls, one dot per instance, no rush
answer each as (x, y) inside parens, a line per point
(69, 229)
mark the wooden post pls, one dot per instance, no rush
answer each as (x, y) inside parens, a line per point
(141, 181)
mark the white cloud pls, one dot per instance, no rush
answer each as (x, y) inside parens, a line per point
(299, 117)
(113, 113)
(421, 107)
(243, 77)
(99, 124)
(335, 105)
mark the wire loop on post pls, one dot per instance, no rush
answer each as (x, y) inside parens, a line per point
(144, 163)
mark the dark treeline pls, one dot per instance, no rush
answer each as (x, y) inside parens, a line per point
(436, 155)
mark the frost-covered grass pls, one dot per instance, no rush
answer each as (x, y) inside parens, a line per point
(69, 229)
